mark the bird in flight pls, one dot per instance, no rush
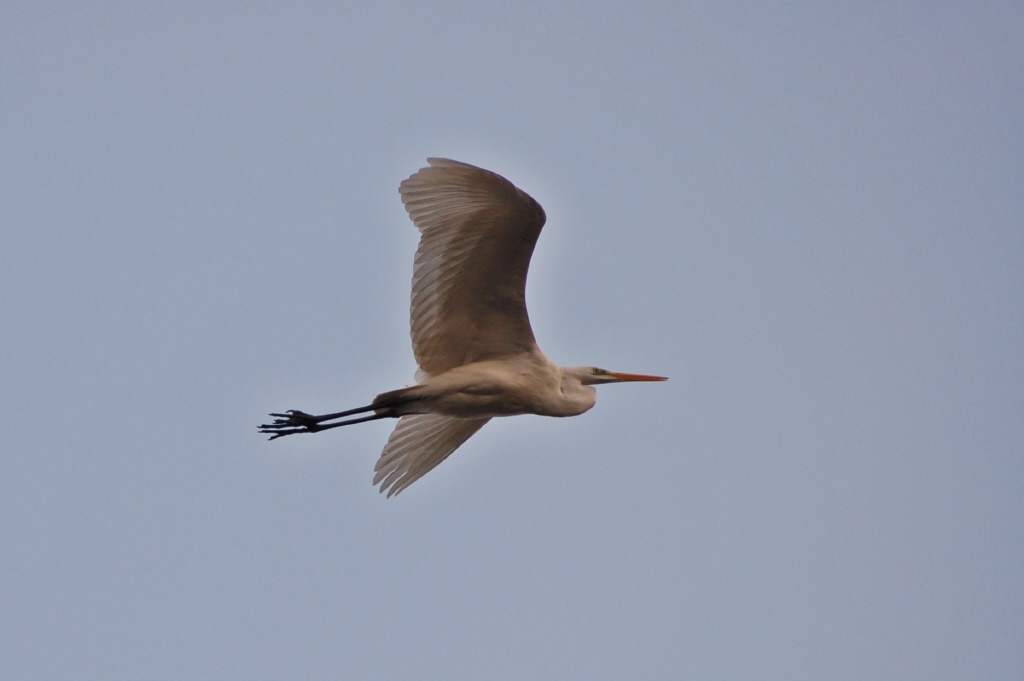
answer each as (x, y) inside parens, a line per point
(470, 331)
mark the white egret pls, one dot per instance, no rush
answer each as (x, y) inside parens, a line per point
(470, 331)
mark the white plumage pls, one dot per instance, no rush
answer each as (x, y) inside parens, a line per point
(470, 329)
(417, 444)
(469, 278)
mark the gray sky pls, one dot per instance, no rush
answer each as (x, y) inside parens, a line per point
(809, 217)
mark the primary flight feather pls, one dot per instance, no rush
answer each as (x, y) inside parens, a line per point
(470, 329)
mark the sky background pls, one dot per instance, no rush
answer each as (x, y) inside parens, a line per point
(809, 216)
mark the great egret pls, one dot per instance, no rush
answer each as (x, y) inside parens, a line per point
(470, 331)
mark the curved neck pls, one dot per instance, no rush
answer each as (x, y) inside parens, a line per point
(576, 397)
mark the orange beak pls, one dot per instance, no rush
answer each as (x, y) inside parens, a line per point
(635, 377)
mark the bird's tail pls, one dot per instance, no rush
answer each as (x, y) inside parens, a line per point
(398, 402)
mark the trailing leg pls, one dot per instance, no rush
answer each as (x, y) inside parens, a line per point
(294, 421)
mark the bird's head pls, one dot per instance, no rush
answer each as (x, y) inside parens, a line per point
(595, 376)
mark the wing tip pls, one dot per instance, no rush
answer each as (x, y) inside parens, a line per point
(441, 162)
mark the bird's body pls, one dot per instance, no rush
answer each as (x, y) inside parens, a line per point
(470, 329)
(528, 383)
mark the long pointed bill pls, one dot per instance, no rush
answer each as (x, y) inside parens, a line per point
(635, 377)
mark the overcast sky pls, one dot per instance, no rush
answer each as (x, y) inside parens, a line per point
(809, 216)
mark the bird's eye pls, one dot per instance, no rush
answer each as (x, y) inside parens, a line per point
(599, 372)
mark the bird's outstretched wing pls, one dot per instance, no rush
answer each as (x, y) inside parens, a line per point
(418, 443)
(469, 280)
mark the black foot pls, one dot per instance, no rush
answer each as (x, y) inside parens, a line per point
(290, 423)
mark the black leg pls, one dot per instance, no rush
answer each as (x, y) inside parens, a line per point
(294, 421)
(296, 415)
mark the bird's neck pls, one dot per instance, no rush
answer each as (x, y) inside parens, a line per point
(575, 397)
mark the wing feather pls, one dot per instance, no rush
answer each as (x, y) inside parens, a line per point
(478, 232)
(419, 443)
